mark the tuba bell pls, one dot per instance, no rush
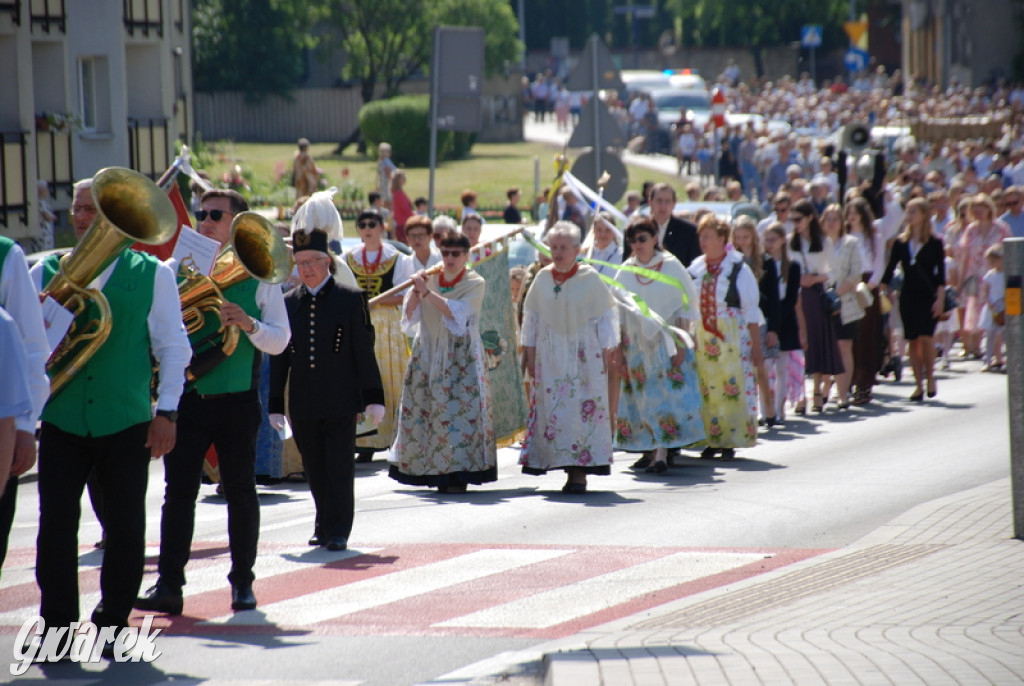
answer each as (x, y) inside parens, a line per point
(129, 209)
(256, 251)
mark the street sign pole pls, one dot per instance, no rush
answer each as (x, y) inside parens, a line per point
(814, 71)
(435, 79)
(597, 101)
(1013, 259)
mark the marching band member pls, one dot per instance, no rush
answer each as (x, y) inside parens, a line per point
(334, 377)
(221, 408)
(93, 423)
(378, 267)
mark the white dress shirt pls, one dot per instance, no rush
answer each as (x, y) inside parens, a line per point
(167, 337)
(21, 300)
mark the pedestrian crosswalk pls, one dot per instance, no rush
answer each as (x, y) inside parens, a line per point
(543, 591)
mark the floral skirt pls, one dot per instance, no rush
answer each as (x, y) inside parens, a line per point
(660, 405)
(727, 384)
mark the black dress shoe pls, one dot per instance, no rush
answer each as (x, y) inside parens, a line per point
(242, 598)
(161, 598)
(317, 539)
(643, 463)
(337, 543)
(364, 456)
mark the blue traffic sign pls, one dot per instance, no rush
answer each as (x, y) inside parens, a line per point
(810, 36)
(856, 59)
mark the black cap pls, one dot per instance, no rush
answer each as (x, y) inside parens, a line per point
(314, 240)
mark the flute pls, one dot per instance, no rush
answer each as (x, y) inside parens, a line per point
(481, 248)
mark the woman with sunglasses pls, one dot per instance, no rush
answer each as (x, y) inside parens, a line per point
(659, 407)
(445, 434)
(807, 248)
(728, 341)
(378, 266)
(570, 333)
(919, 254)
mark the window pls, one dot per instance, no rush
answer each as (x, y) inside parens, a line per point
(94, 93)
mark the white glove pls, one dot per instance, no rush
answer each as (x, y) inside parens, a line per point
(277, 421)
(375, 413)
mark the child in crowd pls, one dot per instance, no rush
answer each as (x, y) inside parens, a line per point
(993, 314)
(385, 168)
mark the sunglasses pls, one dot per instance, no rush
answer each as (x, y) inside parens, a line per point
(451, 253)
(642, 238)
(367, 225)
(215, 215)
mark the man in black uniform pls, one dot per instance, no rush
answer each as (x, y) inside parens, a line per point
(676, 235)
(334, 377)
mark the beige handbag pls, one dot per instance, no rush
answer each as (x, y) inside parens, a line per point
(864, 295)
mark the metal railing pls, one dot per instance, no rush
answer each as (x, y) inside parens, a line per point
(54, 163)
(13, 175)
(13, 9)
(144, 16)
(149, 145)
(48, 15)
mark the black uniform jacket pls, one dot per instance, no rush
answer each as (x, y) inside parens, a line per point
(330, 357)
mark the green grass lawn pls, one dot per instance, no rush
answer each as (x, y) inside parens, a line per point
(490, 170)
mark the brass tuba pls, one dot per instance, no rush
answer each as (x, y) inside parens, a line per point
(129, 208)
(256, 251)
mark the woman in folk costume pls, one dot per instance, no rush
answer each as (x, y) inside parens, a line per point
(445, 434)
(660, 403)
(570, 333)
(378, 266)
(728, 341)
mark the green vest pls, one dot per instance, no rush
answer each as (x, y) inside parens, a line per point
(5, 247)
(111, 392)
(238, 371)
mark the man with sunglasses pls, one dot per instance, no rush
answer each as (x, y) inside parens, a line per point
(1014, 215)
(221, 408)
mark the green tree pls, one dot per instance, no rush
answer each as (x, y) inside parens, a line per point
(387, 41)
(254, 46)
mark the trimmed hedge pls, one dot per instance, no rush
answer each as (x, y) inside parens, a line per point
(403, 121)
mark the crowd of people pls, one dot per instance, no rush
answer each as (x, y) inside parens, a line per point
(661, 333)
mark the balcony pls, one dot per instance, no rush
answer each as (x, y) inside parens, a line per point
(13, 172)
(144, 17)
(53, 160)
(148, 146)
(48, 15)
(13, 9)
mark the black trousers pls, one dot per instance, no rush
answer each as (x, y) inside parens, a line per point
(8, 501)
(229, 422)
(327, 447)
(121, 462)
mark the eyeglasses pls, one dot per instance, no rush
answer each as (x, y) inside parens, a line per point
(312, 262)
(215, 215)
(451, 253)
(782, 208)
(415, 236)
(83, 209)
(367, 225)
(642, 238)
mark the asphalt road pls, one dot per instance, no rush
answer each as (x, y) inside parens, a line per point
(819, 483)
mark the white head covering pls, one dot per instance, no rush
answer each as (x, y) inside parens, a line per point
(320, 213)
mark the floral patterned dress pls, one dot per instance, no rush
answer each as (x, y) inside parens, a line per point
(660, 403)
(569, 424)
(973, 244)
(727, 384)
(445, 432)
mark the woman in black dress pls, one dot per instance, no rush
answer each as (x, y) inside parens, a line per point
(919, 254)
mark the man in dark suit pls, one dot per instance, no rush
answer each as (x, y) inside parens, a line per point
(334, 377)
(676, 235)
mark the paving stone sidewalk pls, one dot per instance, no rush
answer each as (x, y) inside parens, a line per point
(935, 597)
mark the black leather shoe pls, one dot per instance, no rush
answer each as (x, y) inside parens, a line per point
(242, 598)
(161, 598)
(337, 543)
(317, 539)
(364, 456)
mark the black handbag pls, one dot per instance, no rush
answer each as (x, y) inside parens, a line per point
(950, 299)
(830, 301)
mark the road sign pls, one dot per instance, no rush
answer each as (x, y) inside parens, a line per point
(855, 29)
(810, 36)
(581, 77)
(856, 59)
(583, 134)
(585, 169)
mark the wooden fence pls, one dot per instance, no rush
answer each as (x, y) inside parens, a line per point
(319, 114)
